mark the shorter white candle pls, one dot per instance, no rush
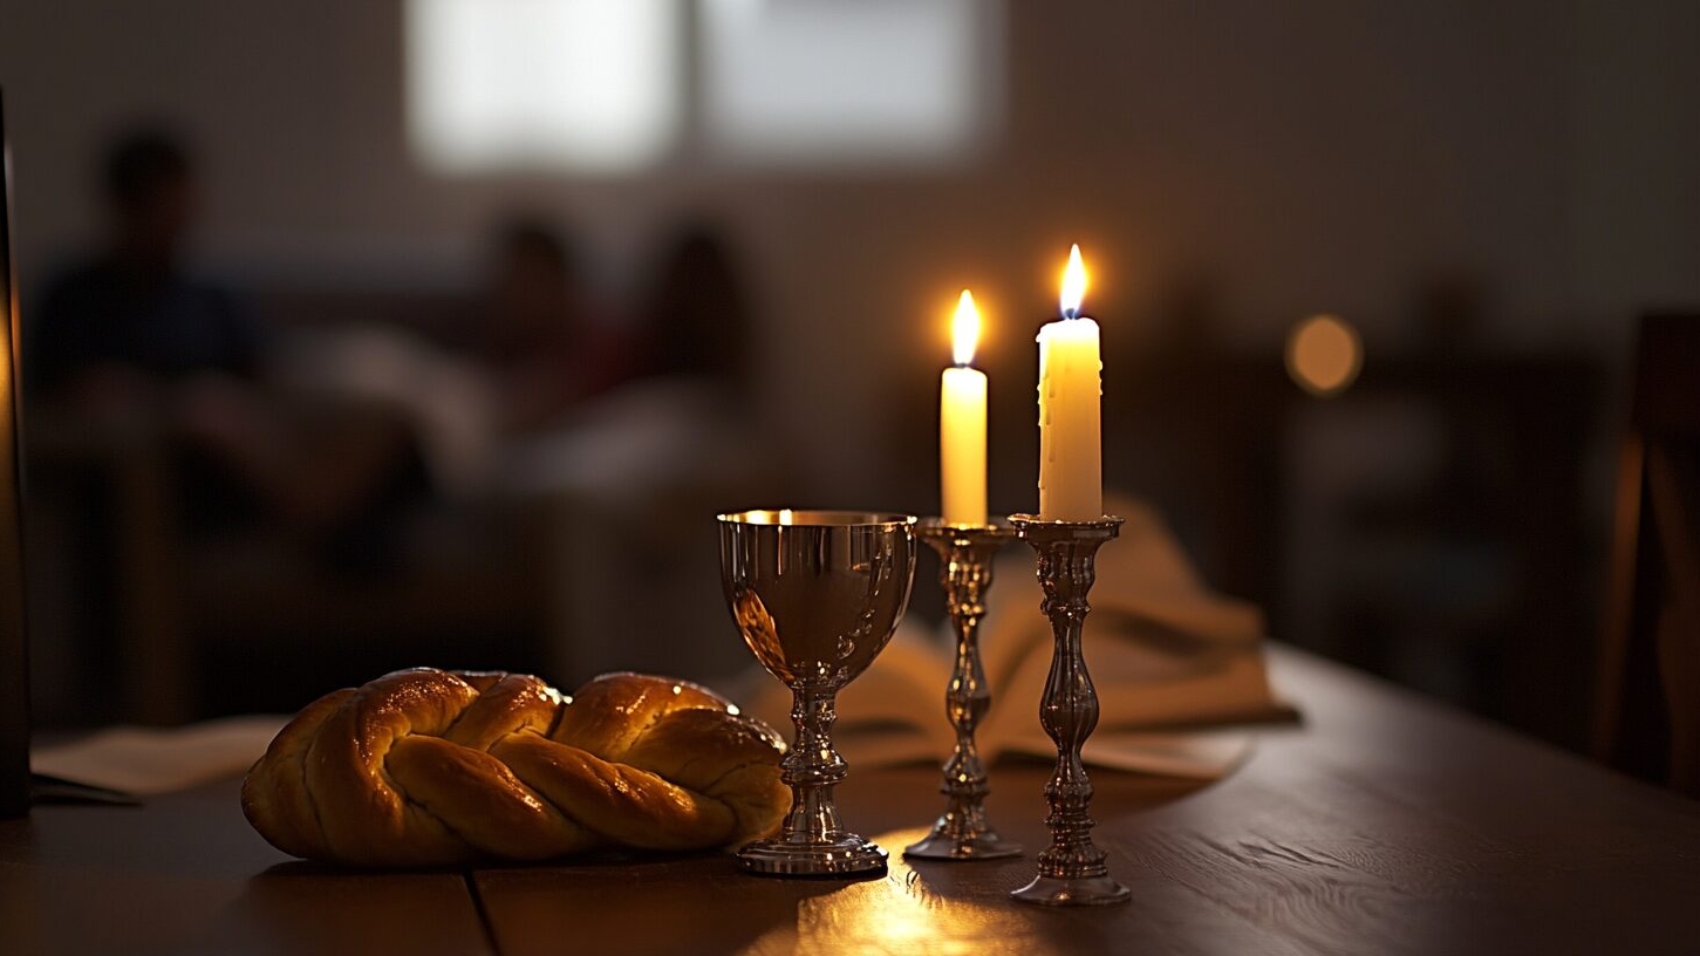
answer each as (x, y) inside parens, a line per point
(1071, 469)
(962, 424)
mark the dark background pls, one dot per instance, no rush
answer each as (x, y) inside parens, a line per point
(1488, 193)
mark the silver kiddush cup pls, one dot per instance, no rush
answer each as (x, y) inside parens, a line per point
(816, 595)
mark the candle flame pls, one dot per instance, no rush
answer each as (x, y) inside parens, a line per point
(1073, 284)
(965, 329)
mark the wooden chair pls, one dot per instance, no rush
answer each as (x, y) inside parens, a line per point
(1648, 707)
(14, 649)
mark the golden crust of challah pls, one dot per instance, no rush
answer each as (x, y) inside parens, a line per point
(431, 768)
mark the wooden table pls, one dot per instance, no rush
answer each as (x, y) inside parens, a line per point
(1385, 825)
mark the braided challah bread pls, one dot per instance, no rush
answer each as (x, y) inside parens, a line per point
(430, 768)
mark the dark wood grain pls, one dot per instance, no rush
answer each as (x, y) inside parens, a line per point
(185, 874)
(1384, 825)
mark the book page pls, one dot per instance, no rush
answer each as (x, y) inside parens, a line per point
(1198, 755)
(1163, 649)
(1142, 686)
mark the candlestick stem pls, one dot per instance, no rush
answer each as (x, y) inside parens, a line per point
(1072, 870)
(965, 555)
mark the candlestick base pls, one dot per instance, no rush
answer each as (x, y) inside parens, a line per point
(961, 839)
(1071, 870)
(965, 570)
(1078, 891)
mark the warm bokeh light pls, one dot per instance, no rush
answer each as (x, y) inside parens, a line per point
(1324, 355)
(1073, 283)
(965, 330)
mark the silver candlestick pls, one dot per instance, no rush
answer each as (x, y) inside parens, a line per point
(1072, 870)
(965, 569)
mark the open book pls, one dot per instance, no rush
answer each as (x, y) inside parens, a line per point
(1177, 668)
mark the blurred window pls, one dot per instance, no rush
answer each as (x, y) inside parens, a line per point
(820, 80)
(616, 85)
(505, 84)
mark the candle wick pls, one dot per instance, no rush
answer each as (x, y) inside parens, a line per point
(1071, 313)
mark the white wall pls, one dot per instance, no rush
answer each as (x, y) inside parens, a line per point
(1304, 156)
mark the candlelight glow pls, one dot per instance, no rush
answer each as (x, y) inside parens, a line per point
(1073, 284)
(965, 330)
(1324, 355)
(902, 914)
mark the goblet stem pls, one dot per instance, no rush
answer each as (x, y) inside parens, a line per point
(814, 767)
(812, 842)
(963, 832)
(1072, 871)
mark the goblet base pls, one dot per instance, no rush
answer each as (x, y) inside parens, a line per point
(849, 855)
(941, 845)
(1085, 891)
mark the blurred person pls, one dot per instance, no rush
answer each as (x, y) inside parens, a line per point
(682, 409)
(697, 322)
(132, 340)
(541, 338)
(636, 470)
(130, 319)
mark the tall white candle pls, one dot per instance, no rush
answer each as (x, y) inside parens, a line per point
(962, 424)
(1071, 470)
